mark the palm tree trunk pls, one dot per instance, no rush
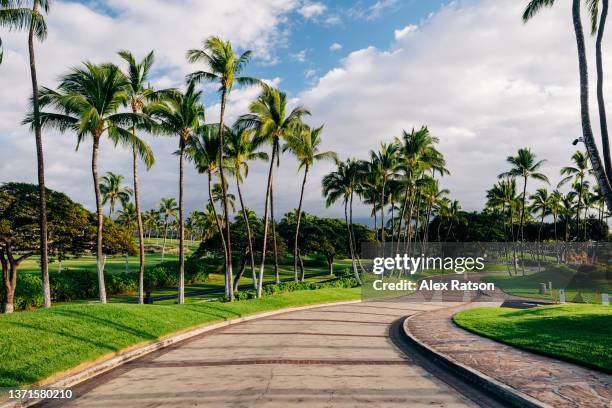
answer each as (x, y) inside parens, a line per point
(219, 227)
(351, 249)
(605, 144)
(297, 226)
(265, 222)
(587, 132)
(165, 237)
(521, 225)
(274, 247)
(42, 206)
(249, 234)
(181, 285)
(382, 215)
(228, 239)
(99, 254)
(402, 215)
(141, 252)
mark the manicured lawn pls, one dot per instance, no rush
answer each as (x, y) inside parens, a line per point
(577, 333)
(35, 345)
(566, 279)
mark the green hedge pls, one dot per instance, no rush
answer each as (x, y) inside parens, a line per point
(285, 287)
(75, 284)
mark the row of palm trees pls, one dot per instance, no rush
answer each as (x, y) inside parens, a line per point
(99, 101)
(401, 178)
(505, 199)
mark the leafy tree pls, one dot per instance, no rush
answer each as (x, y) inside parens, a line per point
(71, 231)
(28, 15)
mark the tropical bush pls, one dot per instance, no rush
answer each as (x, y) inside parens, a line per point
(285, 287)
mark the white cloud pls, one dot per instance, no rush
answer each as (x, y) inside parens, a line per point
(310, 10)
(299, 56)
(399, 34)
(335, 47)
(333, 20)
(77, 32)
(379, 7)
(485, 89)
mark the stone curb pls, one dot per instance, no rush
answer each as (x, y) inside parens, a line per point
(78, 375)
(492, 386)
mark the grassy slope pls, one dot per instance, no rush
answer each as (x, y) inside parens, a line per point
(577, 333)
(36, 345)
(561, 279)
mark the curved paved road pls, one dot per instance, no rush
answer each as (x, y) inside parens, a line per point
(334, 356)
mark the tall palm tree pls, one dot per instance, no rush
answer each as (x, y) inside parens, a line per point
(384, 164)
(533, 7)
(203, 150)
(342, 183)
(540, 204)
(598, 28)
(554, 203)
(113, 191)
(524, 165)
(241, 148)
(305, 144)
(28, 15)
(81, 107)
(138, 94)
(268, 117)
(179, 114)
(578, 173)
(168, 209)
(224, 67)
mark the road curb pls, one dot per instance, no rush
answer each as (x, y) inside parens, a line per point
(492, 386)
(78, 375)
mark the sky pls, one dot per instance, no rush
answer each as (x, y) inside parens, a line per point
(482, 81)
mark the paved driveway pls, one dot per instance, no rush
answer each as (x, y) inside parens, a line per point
(335, 356)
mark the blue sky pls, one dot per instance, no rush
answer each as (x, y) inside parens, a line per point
(468, 69)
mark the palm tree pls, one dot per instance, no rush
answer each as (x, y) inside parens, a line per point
(305, 144)
(138, 94)
(224, 66)
(578, 174)
(179, 114)
(524, 165)
(150, 219)
(240, 149)
(268, 117)
(587, 132)
(384, 164)
(167, 209)
(203, 151)
(540, 204)
(342, 183)
(113, 192)
(83, 109)
(15, 16)
(593, 6)
(554, 203)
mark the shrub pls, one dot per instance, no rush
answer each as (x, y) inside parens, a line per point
(285, 287)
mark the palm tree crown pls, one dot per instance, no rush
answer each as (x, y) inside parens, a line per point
(113, 191)
(15, 16)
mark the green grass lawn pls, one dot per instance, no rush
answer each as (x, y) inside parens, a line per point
(577, 333)
(528, 285)
(36, 345)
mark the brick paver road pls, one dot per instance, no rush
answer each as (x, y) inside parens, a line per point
(335, 356)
